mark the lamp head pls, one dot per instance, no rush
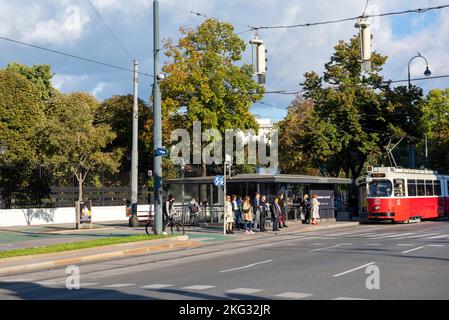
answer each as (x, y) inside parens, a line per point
(427, 73)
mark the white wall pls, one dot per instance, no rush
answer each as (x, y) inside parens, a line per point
(24, 217)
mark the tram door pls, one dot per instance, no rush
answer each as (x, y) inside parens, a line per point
(363, 208)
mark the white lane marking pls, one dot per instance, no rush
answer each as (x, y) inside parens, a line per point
(157, 286)
(400, 235)
(391, 235)
(354, 269)
(440, 236)
(198, 288)
(336, 246)
(16, 280)
(119, 285)
(348, 298)
(411, 250)
(245, 267)
(88, 284)
(436, 245)
(293, 295)
(380, 235)
(318, 244)
(373, 244)
(244, 291)
(405, 245)
(419, 236)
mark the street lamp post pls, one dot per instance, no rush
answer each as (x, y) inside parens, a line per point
(427, 73)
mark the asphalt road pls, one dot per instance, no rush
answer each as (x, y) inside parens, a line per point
(411, 261)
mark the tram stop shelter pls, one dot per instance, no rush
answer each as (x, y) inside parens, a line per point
(332, 192)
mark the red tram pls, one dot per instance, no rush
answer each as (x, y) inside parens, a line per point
(404, 195)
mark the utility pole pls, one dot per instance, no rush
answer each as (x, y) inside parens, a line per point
(157, 128)
(134, 220)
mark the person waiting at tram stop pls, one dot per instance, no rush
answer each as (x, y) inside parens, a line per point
(257, 210)
(283, 216)
(275, 213)
(248, 215)
(305, 209)
(237, 212)
(264, 213)
(315, 209)
(228, 215)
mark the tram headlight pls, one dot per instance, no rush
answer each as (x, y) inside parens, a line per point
(376, 208)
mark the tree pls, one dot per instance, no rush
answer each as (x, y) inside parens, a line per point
(39, 74)
(117, 112)
(349, 117)
(204, 82)
(435, 109)
(75, 143)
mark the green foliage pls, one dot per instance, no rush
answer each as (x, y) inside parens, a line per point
(346, 118)
(435, 111)
(204, 82)
(75, 143)
(117, 113)
(39, 74)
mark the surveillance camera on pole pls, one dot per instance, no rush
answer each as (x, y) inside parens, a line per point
(365, 43)
(261, 63)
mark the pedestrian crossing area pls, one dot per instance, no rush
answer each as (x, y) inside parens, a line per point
(431, 236)
(173, 292)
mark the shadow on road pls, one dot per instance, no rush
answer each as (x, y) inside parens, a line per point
(34, 291)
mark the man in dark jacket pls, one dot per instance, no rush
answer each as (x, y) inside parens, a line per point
(275, 214)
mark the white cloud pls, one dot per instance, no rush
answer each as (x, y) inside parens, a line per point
(98, 89)
(64, 82)
(291, 52)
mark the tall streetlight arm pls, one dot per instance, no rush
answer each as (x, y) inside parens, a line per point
(427, 73)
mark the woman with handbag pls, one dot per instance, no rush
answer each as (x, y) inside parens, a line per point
(248, 215)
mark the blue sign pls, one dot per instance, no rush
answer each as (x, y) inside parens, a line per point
(161, 152)
(219, 181)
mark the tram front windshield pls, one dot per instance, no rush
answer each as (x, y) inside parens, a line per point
(380, 188)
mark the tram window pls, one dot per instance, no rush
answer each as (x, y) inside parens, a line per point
(429, 188)
(399, 188)
(437, 187)
(421, 188)
(411, 188)
(380, 188)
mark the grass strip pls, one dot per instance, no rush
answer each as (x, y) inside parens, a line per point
(63, 247)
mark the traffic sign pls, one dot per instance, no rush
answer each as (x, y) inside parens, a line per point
(161, 152)
(219, 181)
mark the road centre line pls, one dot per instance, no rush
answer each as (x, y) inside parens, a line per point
(336, 246)
(248, 266)
(352, 270)
(411, 250)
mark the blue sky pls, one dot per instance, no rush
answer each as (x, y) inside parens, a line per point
(291, 52)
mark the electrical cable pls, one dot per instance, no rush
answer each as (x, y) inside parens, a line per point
(109, 29)
(105, 64)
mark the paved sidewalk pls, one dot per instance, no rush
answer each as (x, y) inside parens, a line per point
(37, 236)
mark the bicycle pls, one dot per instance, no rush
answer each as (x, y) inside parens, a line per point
(176, 228)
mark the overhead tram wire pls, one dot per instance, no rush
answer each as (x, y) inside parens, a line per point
(366, 7)
(105, 64)
(251, 28)
(109, 30)
(419, 10)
